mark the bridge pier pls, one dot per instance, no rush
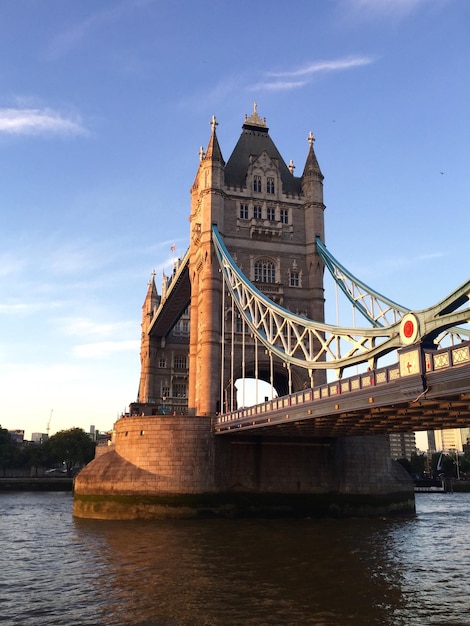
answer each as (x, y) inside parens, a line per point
(174, 466)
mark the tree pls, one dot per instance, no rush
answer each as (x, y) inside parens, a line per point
(39, 456)
(72, 447)
(7, 450)
(418, 464)
(405, 463)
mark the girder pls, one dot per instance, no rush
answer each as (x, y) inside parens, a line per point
(315, 345)
(377, 309)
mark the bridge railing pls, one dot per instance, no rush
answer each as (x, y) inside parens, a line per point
(329, 390)
(433, 360)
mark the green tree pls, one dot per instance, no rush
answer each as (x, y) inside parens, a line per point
(405, 463)
(7, 450)
(418, 464)
(72, 447)
(465, 463)
(39, 456)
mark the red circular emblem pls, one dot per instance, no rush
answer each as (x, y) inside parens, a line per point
(408, 329)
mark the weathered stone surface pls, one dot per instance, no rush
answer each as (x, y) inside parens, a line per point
(169, 466)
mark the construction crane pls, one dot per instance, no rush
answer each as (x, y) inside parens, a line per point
(48, 427)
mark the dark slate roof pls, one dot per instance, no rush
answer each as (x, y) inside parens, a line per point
(253, 140)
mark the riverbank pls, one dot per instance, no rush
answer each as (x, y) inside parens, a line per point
(36, 484)
(446, 485)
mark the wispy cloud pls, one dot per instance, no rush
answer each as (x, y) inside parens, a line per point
(391, 265)
(15, 307)
(86, 327)
(387, 8)
(33, 121)
(74, 36)
(325, 66)
(105, 348)
(299, 77)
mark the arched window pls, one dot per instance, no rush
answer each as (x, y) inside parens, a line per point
(294, 278)
(265, 272)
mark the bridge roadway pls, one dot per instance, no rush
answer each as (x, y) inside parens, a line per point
(425, 390)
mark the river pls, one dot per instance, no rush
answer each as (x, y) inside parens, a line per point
(57, 570)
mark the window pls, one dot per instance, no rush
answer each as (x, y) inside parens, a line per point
(181, 328)
(179, 390)
(257, 184)
(162, 362)
(180, 362)
(243, 211)
(271, 213)
(294, 279)
(165, 391)
(238, 324)
(265, 271)
(284, 215)
(270, 185)
(257, 212)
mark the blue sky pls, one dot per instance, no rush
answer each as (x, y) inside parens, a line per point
(103, 108)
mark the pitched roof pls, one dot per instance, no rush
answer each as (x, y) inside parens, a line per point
(253, 140)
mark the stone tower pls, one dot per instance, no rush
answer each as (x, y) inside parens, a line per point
(163, 381)
(269, 219)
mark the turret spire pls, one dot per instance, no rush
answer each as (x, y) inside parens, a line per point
(311, 164)
(152, 299)
(213, 151)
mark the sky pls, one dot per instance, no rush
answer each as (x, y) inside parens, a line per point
(103, 108)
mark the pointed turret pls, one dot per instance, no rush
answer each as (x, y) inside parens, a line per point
(210, 174)
(213, 151)
(312, 189)
(152, 300)
(311, 169)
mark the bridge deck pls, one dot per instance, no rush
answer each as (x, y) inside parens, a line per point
(381, 401)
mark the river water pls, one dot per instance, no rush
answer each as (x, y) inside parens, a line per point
(57, 570)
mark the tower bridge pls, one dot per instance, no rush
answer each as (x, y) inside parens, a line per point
(247, 301)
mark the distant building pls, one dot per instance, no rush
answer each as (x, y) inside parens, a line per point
(17, 435)
(402, 445)
(451, 439)
(103, 439)
(39, 437)
(431, 441)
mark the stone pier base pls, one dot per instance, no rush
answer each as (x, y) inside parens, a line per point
(173, 466)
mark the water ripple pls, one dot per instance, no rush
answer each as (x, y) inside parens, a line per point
(57, 571)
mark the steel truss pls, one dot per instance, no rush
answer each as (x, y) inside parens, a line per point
(312, 345)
